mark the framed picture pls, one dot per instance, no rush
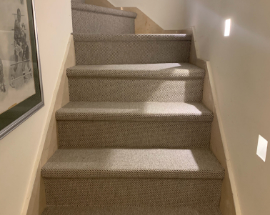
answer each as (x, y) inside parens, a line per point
(21, 92)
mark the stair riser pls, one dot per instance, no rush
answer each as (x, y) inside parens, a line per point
(128, 90)
(131, 52)
(98, 23)
(135, 210)
(133, 192)
(97, 134)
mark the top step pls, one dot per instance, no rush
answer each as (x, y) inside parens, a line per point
(102, 10)
(93, 19)
(131, 48)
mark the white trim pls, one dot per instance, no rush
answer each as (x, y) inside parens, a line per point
(224, 141)
(44, 134)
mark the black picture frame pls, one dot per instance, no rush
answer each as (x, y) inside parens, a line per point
(13, 117)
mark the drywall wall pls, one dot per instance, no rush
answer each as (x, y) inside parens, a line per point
(20, 151)
(168, 14)
(240, 70)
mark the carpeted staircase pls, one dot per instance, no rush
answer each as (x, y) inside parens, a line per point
(134, 139)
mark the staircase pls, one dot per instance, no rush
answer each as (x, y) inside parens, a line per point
(134, 138)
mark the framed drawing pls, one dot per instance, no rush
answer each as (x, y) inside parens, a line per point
(21, 92)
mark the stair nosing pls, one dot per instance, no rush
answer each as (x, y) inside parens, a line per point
(86, 37)
(142, 210)
(102, 10)
(119, 163)
(92, 71)
(84, 111)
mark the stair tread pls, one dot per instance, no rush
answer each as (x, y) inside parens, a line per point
(104, 10)
(142, 71)
(128, 163)
(135, 111)
(85, 37)
(69, 210)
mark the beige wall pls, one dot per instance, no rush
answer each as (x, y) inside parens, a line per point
(240, 70)
(168, 14)
(20, 151)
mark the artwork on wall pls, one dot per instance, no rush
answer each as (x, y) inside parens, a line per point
(21, 92)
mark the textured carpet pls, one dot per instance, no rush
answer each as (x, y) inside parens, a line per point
(93, 19)
(164, 71)
(135, 90)
(130, 37)
(128, 163)
(131, 211)
(132, 192)
(133, 134)
(134, 111)
(126, 177)
(108, 24)
(136, 83)
(96, 9)
(131, 48)
(135, 137)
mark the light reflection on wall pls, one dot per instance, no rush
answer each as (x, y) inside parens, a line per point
(227, 30)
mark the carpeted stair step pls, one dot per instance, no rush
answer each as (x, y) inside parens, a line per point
(167, 71)
(93, 19)
(65, 210)
(127, 124)
(132, 177)
(131, 48)
(135, 111)
(169, 82)
(133, 163)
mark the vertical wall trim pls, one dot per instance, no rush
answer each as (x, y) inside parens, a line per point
(43, 136)
(224, 140)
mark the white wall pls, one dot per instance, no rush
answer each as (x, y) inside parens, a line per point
(241, 70)
(20, 150)
(168, 14)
